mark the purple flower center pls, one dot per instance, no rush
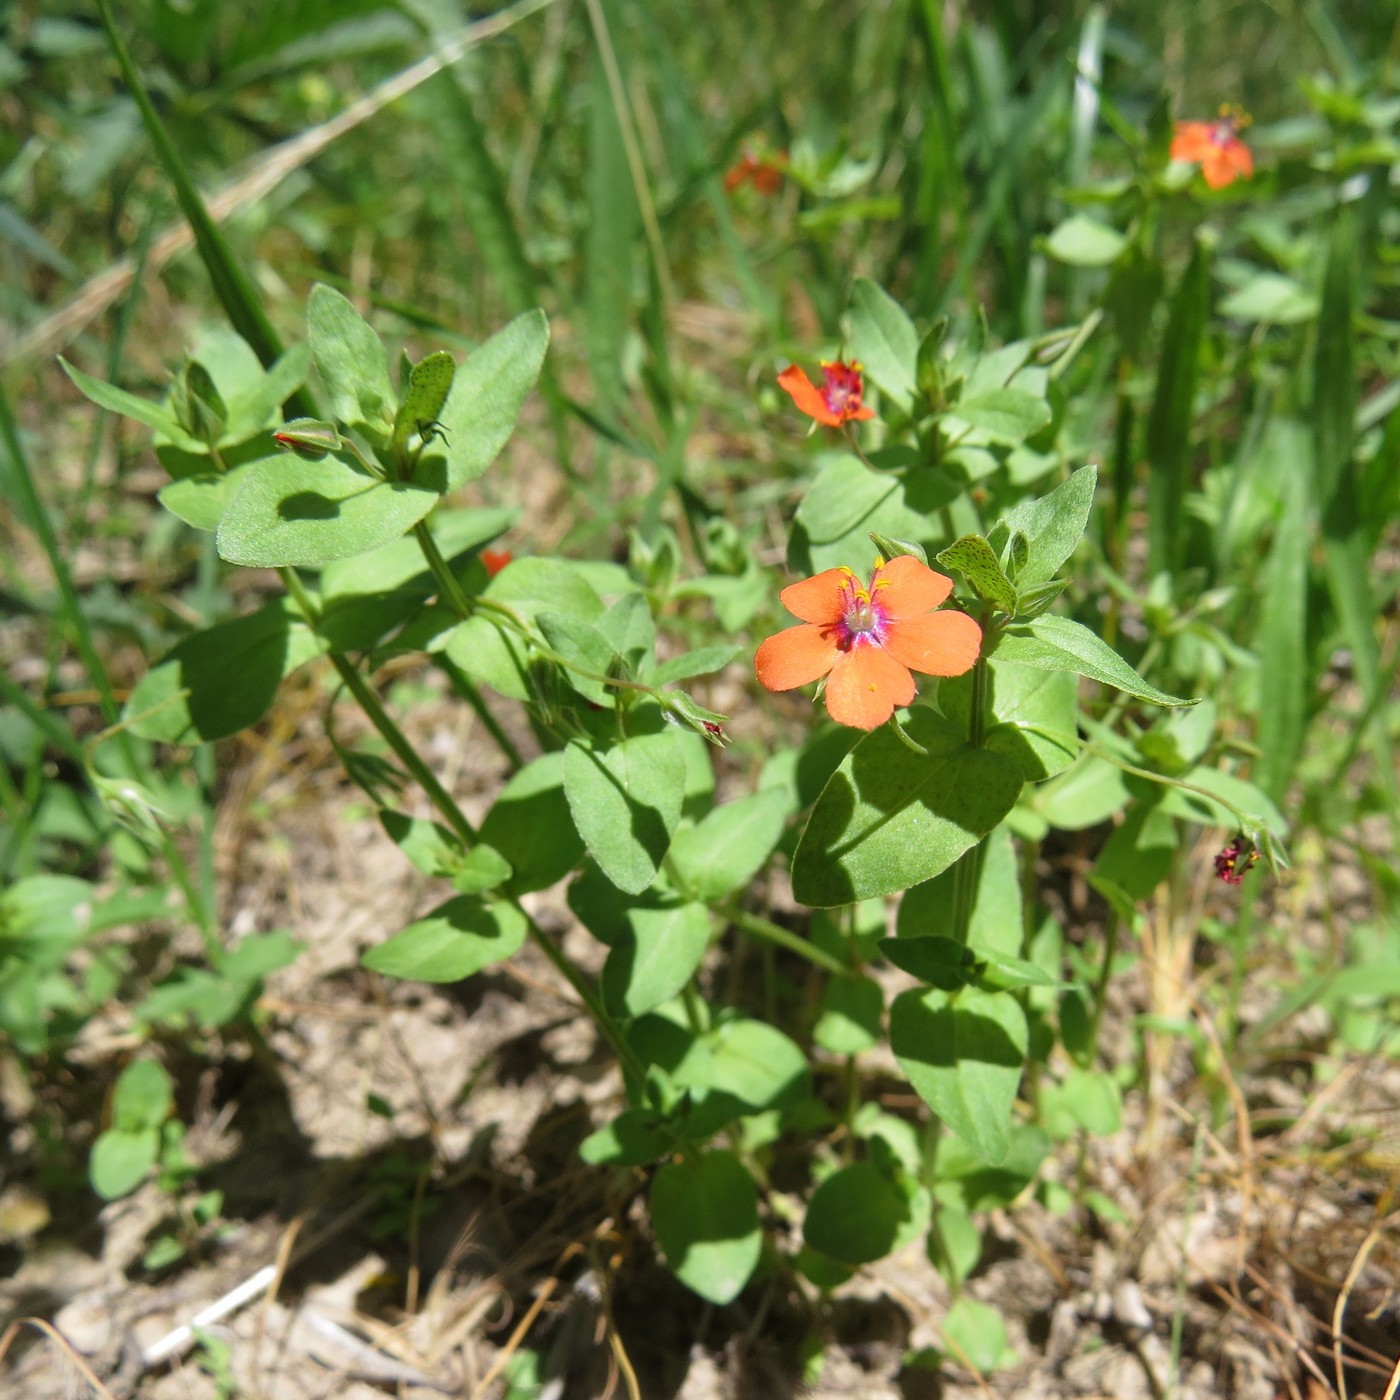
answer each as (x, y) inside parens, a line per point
(841, 387)
(863, 622)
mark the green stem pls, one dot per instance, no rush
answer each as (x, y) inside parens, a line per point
(1110, 951)
(969, 865)
(784, 938)
(447, 807)
(446, 580)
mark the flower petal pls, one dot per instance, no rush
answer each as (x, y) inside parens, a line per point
(1193, 141)
(938, 644)
(821, 598)
(807, 396)
(796, 657)
(859, 415)
(866, 686)
(1226, 164)
(906, 587)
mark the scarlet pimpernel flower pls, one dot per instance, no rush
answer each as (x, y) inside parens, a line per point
(866, 641)
(1216, 147)
(836, 400)
(1236, 861)
(494, 560)
(764, 173)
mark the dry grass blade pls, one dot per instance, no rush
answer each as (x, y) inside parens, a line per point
(274, 166)
(49, 1330)
(1343, 1298)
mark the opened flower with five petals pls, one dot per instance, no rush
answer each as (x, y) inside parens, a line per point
(1216, 147)
(836, 400)
(867, 640)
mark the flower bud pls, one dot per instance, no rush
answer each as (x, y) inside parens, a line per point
(309, 438)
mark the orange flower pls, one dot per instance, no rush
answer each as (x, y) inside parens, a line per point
(867, 640)
(837, 400)
(763, 173)
(1216, 147)
(495, 560)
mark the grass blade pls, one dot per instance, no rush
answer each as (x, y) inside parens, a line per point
(1169, 426)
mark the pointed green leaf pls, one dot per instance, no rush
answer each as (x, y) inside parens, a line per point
(1085, 242)
(351, 360)
(884, 341)
(457, 939)
(487, 395)
(1061, 644)
(1052, 526)
(729, 847)
(222, 679)
(963, 1052)
(856, 1215)
(116, 400)
(705, 1214)
(976, 560)
(655, 956)
(888, 818)
(626, 801)
(290, 511)
(429, 383)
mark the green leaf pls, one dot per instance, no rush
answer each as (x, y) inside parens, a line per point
(291, 511)
(1084, 795)
(429, 383)
(655, 957)
(1032, 715)
(116, 400)
(1003, 415)
(1088, 1099)
(888, 819)
(1052, 526)
(730, 846)
(489, 654)
(222, 679)
(941, 962)
(1270, 297)
(705, 1214)
(964, 1052)
(586, 652)
(626, 802)
(975, 1334)
(852, 1010)
(997, 921)
(1085, 242)
(255, 407)
(883, 339)
(848, 501)
(703, 661)
(487, 395)
(1061, 644)
(1173, 413)
(976, 560)
(632, 1139)
(362, 599)
(856, 1215)
(351, 360)
(143, 1098)
(121, 1160)
(457, 939)
(201, 500)
(531, 827)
